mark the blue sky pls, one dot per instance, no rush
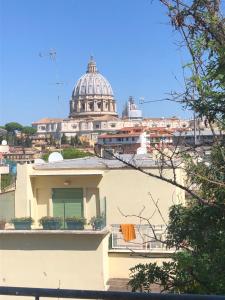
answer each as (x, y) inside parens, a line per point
(132, 43)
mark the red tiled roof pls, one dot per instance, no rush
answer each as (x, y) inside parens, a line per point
(118, 135)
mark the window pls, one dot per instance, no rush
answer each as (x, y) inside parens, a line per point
(97, 126)
(133, 139)
(67, 202)
(113, 125)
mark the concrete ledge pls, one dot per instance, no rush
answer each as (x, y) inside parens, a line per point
(104, 231)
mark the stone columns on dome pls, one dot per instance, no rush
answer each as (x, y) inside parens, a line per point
(93, 95)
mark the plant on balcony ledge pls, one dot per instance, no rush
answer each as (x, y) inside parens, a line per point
(75, 223)
(23, 223)
(51, 223)
(2, 224)
(97, 222)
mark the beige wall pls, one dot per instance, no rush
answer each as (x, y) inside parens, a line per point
(53, 261)
(23, 194)
(120, 263)
(127, 192)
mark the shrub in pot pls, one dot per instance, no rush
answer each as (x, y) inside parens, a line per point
(23, 223)
(75, 223)
(97, 222)
(51, 223)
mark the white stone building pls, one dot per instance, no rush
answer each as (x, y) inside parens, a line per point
(93, 111)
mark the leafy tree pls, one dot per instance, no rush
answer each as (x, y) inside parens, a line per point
(64, 139)
(75, 141)
(13, 126)
(197, 230)
(29, 130)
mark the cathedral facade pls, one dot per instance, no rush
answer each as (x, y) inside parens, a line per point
(93, 111)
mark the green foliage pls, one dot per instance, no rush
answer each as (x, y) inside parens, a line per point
(75, 141)
(77, 220)
(47, 219)
(64, 139)
(22, 220)
(13, 126)
(29, 130)
(70, 153)
(197, 231)
(97, 222)
(6, 180)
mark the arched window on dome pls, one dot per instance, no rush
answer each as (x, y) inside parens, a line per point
(99, 104)
(91, 106)
(90, 90)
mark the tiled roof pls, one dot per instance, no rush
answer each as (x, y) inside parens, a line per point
(48, 120)
(119, 135)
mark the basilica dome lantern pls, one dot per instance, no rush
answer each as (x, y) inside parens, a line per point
(92, 95)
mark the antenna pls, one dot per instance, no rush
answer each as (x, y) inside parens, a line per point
(51, 54)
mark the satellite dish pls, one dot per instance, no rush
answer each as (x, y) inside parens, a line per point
(55, 156)
(4, 142)
(39, 161)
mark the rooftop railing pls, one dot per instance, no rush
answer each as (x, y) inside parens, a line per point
(147, 239)
(40, 293)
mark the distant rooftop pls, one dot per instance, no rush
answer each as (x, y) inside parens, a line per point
(141, 160)
(48, 120)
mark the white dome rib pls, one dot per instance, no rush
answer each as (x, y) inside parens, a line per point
(92, 84)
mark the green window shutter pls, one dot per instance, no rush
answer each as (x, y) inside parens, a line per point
(58, 208)
(67, 202)
(74, 208)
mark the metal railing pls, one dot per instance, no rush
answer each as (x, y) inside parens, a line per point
(39, 293)
(145, 238)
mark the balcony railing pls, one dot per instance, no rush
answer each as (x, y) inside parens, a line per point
(147, 239)
(39, 293)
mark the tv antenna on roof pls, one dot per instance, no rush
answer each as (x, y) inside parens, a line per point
(141, 100)
(50, 54)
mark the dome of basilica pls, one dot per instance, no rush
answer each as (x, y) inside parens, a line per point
(92, 95)
(92, 83)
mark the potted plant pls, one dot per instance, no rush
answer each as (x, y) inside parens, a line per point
(75, 223)
(51, 223)
(97, 222)
(2, 224)
(23, 223)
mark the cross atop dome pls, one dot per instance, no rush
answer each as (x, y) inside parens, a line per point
(91, 68)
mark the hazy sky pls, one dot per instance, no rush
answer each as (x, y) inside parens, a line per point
(132, 43)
